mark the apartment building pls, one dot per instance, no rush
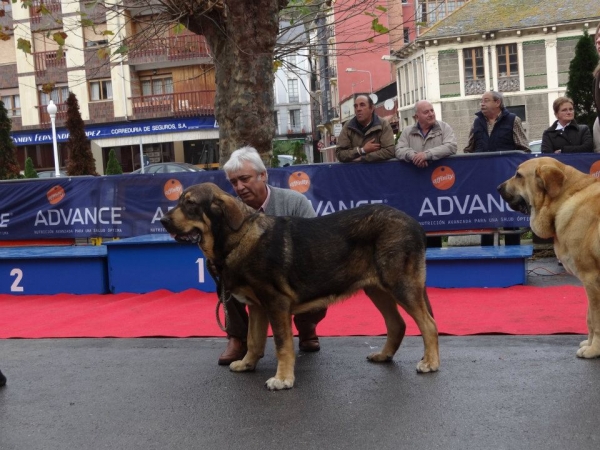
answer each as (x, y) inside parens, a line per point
(158, 95)
(292, 116)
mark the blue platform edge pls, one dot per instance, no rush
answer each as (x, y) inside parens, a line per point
(492, 252)
(75, 251)
(158, 238)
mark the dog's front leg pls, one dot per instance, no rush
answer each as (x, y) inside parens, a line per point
(591, 348)
(281, 323)
(258, 325)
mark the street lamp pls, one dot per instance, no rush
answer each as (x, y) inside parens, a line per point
(51, 108)
(350, 69)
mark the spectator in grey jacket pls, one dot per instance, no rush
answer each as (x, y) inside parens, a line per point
(427, 140)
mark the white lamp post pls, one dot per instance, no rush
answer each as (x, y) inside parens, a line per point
(350, 69)
(51, 108)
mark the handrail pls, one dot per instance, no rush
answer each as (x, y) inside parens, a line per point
(180, 104)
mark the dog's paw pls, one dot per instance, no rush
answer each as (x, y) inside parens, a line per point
(584, 343)
(241, 366)
(275, 384)
(426, 366)
(588, 352)
(379, 357)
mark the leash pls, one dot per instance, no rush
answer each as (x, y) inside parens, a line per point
(212, 270)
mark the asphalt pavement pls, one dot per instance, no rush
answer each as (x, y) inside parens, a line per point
(492, 392)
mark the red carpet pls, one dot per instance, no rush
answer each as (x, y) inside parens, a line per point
(519, 310)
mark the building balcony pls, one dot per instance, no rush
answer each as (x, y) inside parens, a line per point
(43, 14)
(169, 52)
(40, 8)
(61, 115)
(49, 62)
(180, 104)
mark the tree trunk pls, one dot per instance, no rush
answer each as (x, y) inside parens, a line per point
(242, 39)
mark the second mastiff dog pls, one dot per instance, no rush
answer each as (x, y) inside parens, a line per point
(281, 266)
(564, 204)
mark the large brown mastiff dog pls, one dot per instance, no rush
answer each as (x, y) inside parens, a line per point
(281, 266)
(564, 204)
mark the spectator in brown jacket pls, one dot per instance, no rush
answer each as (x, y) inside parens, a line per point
(366, 137)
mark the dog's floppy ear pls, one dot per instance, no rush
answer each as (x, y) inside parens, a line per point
(550, 179)
(227, 207)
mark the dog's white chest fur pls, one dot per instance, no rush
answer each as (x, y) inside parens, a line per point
(242, 299)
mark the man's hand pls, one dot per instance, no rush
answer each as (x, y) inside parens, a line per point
(420, 159)
(371, 146)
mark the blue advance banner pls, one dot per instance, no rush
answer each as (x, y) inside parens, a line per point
(457, 193)
(166, 125)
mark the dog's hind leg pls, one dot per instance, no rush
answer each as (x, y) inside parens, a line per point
(281, 324)
(416, 303)
(258, 325)
(396, 327)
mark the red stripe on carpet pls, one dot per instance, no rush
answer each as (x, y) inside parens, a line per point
(519, 310)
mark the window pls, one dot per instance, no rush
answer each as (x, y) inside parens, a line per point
(295, 120)
(59, 95)
(508, 64)
(12, 103)
(406, 32)
(519, 111)
(293, 91)
(276, 121)
(473, 63)
(157, 86)
(291, 60)
(101, 43)
(424, 12)
(100, 90)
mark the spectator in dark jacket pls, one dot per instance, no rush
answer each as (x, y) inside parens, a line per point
(565, 135)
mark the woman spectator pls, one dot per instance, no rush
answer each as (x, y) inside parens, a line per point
(597, 93)
(565, 135)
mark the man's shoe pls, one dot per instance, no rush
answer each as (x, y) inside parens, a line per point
(236, 350)
(310, 344)
(2, 379)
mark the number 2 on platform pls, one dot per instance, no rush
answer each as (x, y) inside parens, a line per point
(18, 274)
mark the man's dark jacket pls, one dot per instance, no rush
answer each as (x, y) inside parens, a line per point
(501, 138)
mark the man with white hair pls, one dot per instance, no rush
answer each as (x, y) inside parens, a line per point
(247, 174)
(427, 140)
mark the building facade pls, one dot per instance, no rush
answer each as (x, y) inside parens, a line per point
(524, 53)
(158, 95)
(293, 117)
